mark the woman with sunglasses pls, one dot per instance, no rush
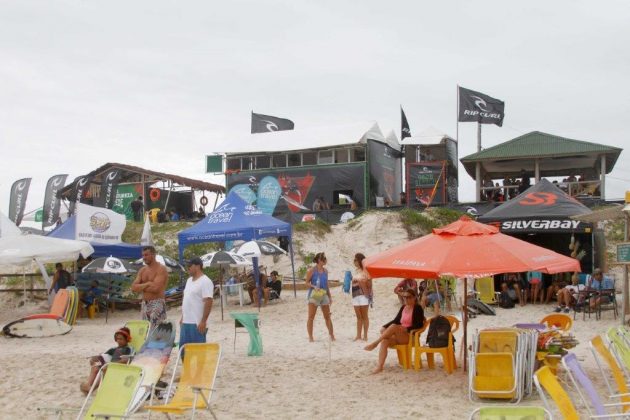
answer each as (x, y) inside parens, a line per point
(318, 295)
(409, 317)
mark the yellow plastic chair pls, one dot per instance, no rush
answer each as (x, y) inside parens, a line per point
(510, 413)
(404, 351)
(447, 353)
(484, 286)
(598, 347)
(545, 379)
(199, 371)
(562, 321)
(498, 341)
(139, 330)
(494, 376)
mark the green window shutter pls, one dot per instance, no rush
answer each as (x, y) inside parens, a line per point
(214, 164)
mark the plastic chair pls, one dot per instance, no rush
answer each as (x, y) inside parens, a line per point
(484, 287)
(404, 351)
(510, 413)
(447, 353)
(196, 383)
(562, 321)
(598, 348)
(545, 379)
(619, 347)
(139, 330)
(251, 323)
(582, 382)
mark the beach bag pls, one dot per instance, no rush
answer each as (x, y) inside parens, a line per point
(317, 295)
(347, 281)
(505, 301)
(439, 331)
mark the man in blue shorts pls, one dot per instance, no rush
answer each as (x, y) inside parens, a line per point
(197, 304)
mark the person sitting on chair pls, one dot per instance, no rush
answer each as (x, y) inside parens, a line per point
(410, 317)
(596, 283)
(253, 291)
(403, 286)
(113, 355)
(567, 296)
(275, 284)
(90, 295)
(515, 287)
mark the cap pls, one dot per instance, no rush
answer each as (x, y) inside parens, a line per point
(195, 261)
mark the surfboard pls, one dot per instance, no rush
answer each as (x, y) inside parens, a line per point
(60, 304)
(36, 327)
(481, 307)
(73, 305)
(153, 358)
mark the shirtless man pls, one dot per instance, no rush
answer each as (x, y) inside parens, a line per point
(151, 282)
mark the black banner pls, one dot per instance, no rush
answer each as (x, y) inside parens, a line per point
(385, 174)
(475, 106)
(51, 201)
(425, 183)
(266, 123)
(285, 192)
(405, 131)
(108, 188)
(17, 202)
(81, 185)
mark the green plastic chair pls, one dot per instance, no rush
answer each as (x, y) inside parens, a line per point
(114, 396)
(251, 323)
(510, 413)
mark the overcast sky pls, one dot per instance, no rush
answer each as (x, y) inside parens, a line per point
(160, 84)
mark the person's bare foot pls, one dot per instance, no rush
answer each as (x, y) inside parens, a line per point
(84, 387)
(365, 338)
(332, 338)
(377, 371)
(370, 346)
(310, 339)
(356, 338)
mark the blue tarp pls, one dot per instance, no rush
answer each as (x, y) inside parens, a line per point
(233, 220)
(119, 250)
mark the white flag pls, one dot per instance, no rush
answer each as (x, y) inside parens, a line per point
(147, 237)
(96, 224)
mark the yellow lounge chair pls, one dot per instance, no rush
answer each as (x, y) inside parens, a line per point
(199, 370)
(484, 286)
(545, 379)
(139, 330)
(510, 413)
(597, 347)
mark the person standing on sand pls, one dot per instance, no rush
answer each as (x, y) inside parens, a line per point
(318, 295)
(410, 317)
(361, 292)
(197, 305)
(151, 282)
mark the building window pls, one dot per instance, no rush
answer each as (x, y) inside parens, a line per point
(246, 163)
(309, 158)
(295, 159)
(341, 155)
(279, 161)
(357, 154)
(325, 157)
(263, 162)
(233, 164)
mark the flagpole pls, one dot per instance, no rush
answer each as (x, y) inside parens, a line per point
(478, 182)
(457, 117)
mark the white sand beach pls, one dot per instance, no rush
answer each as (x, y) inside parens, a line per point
(293, 378)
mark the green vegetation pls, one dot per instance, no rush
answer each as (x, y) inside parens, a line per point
(421, 223)
(316, 227)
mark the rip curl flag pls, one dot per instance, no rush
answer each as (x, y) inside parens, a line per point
(476, 106)
(266, 123)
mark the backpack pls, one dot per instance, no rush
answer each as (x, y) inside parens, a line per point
(505, 301)
(439, 331)
(64, 280)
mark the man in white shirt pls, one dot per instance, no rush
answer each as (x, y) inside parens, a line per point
(197, 304)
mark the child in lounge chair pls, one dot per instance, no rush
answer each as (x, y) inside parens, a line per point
(113, 355)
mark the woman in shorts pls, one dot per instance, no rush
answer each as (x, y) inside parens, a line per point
(318, 295)
(361, 293)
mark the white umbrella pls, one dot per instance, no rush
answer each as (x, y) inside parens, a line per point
(24, 249)
(257, 248)
(109, 265)
(168, 262)
(224, 258)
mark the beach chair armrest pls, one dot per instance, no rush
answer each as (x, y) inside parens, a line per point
(58, 409)
(625, 394)
(620, 404)
(201, 388)
(607, 416)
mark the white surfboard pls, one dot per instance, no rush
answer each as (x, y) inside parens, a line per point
(36, 327)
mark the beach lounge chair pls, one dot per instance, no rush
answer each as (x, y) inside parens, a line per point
(447, 353)
(618, 344)
(404, 351)
(510, 413)
(484, 288)
(496, 365)
(582, 382)
(60, 303)
(547, 381)
(199, 371)
(562, 321)
(599, 350)
(139, 330)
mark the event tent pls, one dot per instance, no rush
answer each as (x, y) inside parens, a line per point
(234, 220)
(542, 214)
(119, 250)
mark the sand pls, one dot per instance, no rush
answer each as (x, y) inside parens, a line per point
(293, 378)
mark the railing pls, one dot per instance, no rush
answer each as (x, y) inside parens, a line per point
(574, 189)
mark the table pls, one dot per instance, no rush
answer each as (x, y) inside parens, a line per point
(223, 288)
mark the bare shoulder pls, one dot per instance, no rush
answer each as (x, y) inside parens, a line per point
(162, 270)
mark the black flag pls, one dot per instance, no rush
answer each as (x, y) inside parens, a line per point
(17, 201)
(265, 123)
(109, 185)
(475, 106)
(51, 202)
(404, 125)
(81, 184)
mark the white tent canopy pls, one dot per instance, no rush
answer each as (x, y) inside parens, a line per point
(308, 138)
(429, 136)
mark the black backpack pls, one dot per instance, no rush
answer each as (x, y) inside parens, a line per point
(439, 331)
(505, 301)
